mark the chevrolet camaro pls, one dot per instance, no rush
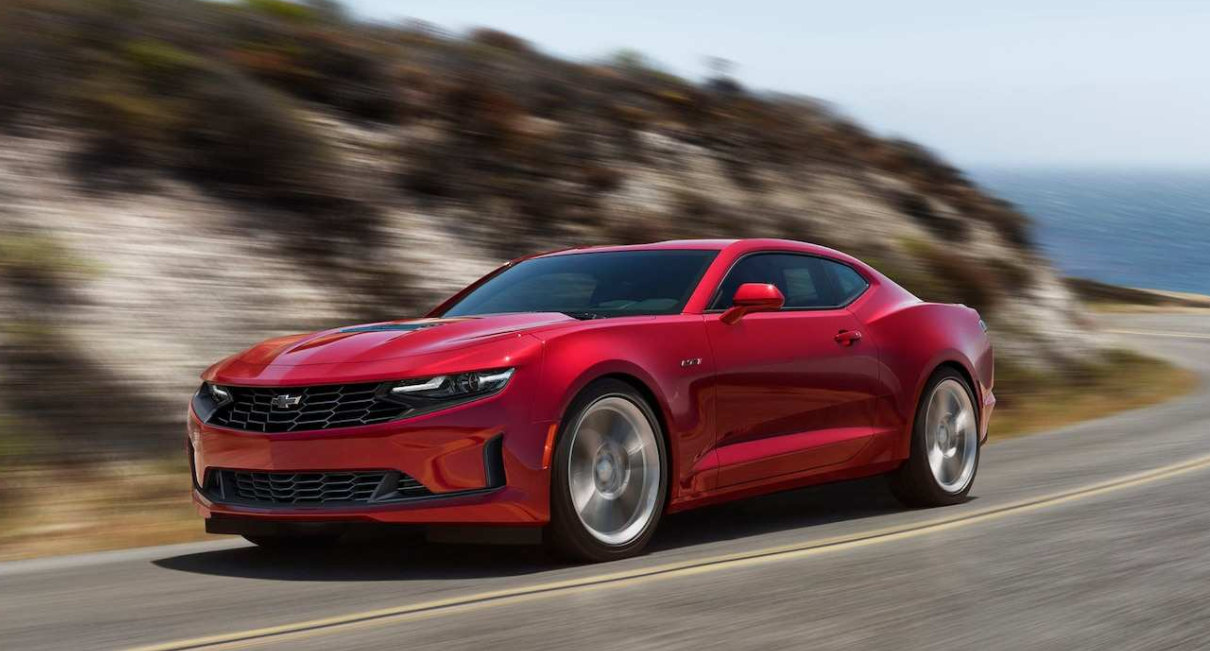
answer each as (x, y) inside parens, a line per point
(578, 396)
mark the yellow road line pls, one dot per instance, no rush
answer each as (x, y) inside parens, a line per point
(510, 596)
(1183, 335)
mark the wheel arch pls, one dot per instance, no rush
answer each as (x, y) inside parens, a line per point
(658, 407)
(964, 372)
(661, 418)
(949, 362)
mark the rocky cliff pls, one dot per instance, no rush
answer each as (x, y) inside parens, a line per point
(178, 180)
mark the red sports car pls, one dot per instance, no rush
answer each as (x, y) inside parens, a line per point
(577, 396)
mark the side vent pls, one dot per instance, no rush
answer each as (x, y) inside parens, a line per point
(493, 462)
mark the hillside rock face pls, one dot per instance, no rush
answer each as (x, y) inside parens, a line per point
(127, 266)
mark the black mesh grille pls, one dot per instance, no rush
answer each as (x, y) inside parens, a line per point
(291, 409)
(313, 488)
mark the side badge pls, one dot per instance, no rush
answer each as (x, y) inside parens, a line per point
(695, 361)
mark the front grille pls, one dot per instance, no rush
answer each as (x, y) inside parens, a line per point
(334, 488)
(274, 410)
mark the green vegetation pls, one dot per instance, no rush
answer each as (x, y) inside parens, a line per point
(35, 256)
(60, 510)
(160, 106)
(15, 443)
(946, 276)
(1112, 297)
(290, 11)
(1031, 400)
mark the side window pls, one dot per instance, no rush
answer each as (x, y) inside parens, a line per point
(849, 284)
(803, 279)
(801, 288)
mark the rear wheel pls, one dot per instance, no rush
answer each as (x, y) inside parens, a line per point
(945, 445)
(609, 476)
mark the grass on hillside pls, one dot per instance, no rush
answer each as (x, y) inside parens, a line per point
(1103, 297)
(1031, 401)
(65, 510)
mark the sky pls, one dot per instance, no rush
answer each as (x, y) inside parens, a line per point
(1080, 83)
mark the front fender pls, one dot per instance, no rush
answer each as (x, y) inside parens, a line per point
(669, 356)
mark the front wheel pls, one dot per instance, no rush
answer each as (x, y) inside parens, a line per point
(945, 445)
(609, 476)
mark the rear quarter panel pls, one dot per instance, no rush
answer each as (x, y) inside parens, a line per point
(914, 339)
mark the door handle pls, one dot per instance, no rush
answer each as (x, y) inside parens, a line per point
(847, 337)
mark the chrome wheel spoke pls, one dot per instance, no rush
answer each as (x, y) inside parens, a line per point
(936, 458)
(965, 422)
(596, 511)
(628, 501)
(582, 488)
(588, 441)
(950, 397)
(619, 428)
(951, 469)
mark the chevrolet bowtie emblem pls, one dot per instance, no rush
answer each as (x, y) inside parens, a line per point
(285, 401)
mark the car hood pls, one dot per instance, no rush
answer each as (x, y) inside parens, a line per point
(393, 339)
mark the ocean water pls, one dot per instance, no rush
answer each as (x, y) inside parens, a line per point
(1142, 228)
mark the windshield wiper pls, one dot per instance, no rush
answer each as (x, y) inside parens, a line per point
(585, 316)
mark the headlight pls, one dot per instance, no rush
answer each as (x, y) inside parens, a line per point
(451, 387)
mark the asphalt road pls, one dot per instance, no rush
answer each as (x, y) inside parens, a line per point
(1094, 536)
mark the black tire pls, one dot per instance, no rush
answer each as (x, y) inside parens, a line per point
(568, 536)
(914, 483)
(293, 542)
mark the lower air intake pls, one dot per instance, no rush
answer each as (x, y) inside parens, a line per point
(308, 489)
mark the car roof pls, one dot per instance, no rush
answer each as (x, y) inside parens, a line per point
(741, 246)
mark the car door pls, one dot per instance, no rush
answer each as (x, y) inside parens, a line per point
(795, 387)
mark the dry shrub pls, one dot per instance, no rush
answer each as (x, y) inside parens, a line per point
(500, 40)
(210, 123)
(950, 277)
(483, 114)
(249, 137)
(698, 217)
(1014, 226)
(324, 66)
(602, 178)
(943, 226)
(1013, 274)
(282, 9)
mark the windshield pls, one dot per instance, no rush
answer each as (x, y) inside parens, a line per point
(592, 285)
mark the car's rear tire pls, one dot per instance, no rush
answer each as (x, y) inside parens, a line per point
(945, 445)
(609, 476)
(293, 542)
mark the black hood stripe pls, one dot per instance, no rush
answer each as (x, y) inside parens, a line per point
(390, 327)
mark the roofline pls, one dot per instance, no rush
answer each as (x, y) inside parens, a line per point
(666, 245)
(745, 244)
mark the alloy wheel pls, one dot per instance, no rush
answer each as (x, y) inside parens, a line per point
(613, 471)
(951, 436)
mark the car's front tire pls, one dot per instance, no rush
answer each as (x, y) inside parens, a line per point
(610, 474)
(945, 445)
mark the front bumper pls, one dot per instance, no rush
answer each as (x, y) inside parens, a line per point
(985, 414)
(481, 463)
